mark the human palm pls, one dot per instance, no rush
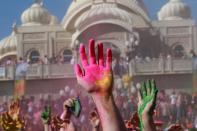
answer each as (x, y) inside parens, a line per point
(14, 110)
(46, 115)
(94, 119)
(10, 120)
(95, 76)
(147, 99)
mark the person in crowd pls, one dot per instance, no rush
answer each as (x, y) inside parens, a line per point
(173, 100)
(46, 60)
(9, 62)
(21, 60)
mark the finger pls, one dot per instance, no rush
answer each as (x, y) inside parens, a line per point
(153, 87)
(155, 97)
(68, 103)
(100, 54)
(148, 87)
(109, 59)
(83, 57)
(139, 96)
(143, 90)
(154, 91)
(73, 101)
(92, 56)
(78, 71)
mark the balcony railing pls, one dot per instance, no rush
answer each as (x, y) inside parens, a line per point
(162, 66)
(39, 71)
(152, 67)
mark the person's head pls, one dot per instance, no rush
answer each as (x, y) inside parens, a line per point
(20, 58)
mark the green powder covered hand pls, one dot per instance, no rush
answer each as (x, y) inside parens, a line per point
(76, 107)
(46, 115)
(147, 101)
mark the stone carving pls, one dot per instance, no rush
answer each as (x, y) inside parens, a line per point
(180, 30)
(33, 36)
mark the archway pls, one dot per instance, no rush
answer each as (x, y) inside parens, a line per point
(34, 56)
(178, 51)
(67, 55)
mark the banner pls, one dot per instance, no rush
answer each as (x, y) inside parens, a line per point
(19, 89)
(20, 82)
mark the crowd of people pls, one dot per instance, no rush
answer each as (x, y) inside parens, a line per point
(59, 59)
(176, 108)
(102, 104)
(31, 109)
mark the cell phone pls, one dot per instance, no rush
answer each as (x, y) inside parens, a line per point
(76, 107)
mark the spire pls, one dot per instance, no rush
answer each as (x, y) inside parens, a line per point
(38, 1)
(175, 0)
(14, 27)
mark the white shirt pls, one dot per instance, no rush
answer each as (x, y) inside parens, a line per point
(173, 99)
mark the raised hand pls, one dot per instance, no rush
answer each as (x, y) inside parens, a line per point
(147, 101)
(74, 106)
(46, 115)
(14, 109)
(94, 120)
(95, 77)
(10, 120)
(63, 123)
(66, 124)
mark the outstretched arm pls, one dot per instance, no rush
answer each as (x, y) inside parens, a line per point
(46, 118)
(147, 101)
(97, 78)
(67, 125)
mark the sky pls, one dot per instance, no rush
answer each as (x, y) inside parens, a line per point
(11, 10)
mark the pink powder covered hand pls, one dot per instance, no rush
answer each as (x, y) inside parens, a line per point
(95, 77)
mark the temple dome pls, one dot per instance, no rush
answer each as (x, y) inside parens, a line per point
(80, 3)
(174, 10)
(80, 8)
(103, 12)
(36, 15)
(8, 45)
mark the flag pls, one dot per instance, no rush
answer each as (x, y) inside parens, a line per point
(20, 82)
(20, 86)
